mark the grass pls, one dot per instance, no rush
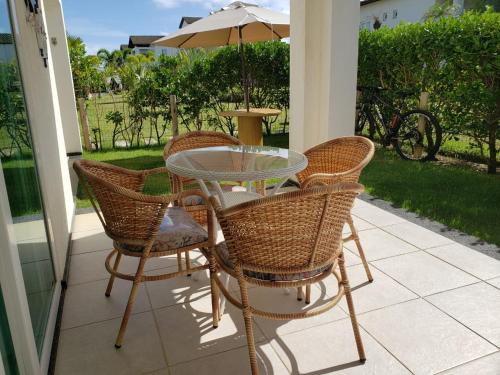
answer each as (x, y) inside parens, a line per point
(459, 197)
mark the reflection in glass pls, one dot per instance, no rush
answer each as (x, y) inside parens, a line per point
(19, 169)
(7, 353)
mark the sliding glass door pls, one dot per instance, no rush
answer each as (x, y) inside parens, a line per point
(7, 354)
(18, 163)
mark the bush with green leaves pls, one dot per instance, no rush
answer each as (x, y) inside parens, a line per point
(456, 60)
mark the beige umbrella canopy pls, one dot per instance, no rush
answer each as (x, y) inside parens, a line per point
(236, 23)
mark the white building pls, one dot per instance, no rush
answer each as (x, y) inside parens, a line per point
(141, 44)
(392, 12)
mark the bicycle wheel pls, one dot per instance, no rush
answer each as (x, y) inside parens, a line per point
(410, 143)
(361, 120)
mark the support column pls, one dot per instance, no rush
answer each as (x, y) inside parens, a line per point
(323, 70)
(64, 82)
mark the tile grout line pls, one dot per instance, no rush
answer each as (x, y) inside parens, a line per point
(163, 349)
(465, 363)
(386, 349)
(467, 272)
(463, 324)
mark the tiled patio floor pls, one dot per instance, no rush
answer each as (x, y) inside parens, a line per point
(433, 307)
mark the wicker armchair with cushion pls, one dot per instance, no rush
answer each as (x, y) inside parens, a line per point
(188, 141)
(265, 248)
(339, 160)
(141, 226)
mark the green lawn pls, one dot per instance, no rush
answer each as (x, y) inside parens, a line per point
(458, 197)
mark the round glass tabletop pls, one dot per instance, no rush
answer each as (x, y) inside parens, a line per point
(236, 163)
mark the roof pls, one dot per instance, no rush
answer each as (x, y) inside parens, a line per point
(366, 2)
(142, 40)
(6, 38)
(123, 47)
(188, 20)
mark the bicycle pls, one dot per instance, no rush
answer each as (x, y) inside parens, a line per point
(415, 135)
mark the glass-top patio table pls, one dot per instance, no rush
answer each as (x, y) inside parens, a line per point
(236, 163)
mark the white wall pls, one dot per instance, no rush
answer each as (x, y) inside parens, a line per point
(323, 70)
(64, 80)
(407, 10)
(158, 50)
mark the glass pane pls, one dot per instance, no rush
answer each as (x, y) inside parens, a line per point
(6, 348)
(19, 168)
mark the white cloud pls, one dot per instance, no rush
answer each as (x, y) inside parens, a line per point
(211, 5)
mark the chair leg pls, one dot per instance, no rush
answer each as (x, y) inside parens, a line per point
(300, 293)
(247, 316)
(355, 236)
(130, 303)
(214, 289)
(352, 313)
(308, 294)
(112, 277)
(179, 262)
(188, 264)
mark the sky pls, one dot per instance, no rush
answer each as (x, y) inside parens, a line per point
(108, 23)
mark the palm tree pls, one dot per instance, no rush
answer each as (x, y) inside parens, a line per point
(115, 58)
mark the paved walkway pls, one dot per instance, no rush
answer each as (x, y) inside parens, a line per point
(433, 307)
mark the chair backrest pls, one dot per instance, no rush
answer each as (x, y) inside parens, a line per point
(191, 140)
(343, 157)
(288, 233)
(127, 215)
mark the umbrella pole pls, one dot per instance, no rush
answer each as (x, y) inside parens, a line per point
(243, 70)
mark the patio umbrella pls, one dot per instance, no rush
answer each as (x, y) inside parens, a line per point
(236, 23)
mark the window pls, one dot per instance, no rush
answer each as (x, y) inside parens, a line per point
(394, 13)
(384, 16)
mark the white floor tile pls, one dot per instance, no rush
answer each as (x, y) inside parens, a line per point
(276, 300)
(86, 303)
(232, 362)
(469, 260)
(180, 289)
(495, 282)
(488, 365)
(331, 349)
(378, 244)
(416, 235)
(382, 292)
(187, 332)
(90, 266)
(359, 224)
(424, 274)
(86, 222)
(90, 349)
(475, 306)
(92, 240)
(377, 216)
(425, 339)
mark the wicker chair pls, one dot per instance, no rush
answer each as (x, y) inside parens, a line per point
(265, 248)
(141, 226)
(188, 141)
(339, 160)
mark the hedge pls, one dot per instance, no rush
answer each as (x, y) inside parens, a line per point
(456, 60)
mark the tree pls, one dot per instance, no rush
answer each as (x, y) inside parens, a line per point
(87, 77)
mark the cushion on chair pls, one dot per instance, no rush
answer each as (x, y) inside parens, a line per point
(196, 200)
(177, 229)
(224, 254)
